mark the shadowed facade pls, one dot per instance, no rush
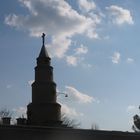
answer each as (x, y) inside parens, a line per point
(44, 110)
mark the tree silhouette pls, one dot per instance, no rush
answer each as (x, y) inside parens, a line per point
(69, 122)
(94, 126)
(4, 112)
(136, 120)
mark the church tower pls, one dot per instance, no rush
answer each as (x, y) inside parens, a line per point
(44, 110)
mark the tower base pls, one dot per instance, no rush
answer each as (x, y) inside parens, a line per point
(44, 114)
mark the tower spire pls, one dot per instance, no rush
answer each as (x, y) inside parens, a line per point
(44, 109)
(43, 52)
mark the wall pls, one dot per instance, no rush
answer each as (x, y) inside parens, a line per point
(46, 133)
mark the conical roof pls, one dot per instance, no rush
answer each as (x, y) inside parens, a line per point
(43, 52)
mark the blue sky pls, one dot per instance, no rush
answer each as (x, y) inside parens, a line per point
(94, 46)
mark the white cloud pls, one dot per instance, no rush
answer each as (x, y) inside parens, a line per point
(131, 108)
(116, 57)
(130, 60)
(20, 112)
(120, 15)
(72, 60)
(78, 96)
(74, 96)
(86, 5)
(56, 18)
(68, 111)
(76, 58)
(11, 20)
(92, 34)
(59, 46)
(81, 50)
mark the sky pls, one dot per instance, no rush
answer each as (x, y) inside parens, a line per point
(94, 46)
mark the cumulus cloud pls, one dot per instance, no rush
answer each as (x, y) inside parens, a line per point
(130, 60)
(75, 95)
(81, 50)
(120, 15)
(68, 111)
(59, 46)
(116, 57)
(61, 23)
(72, 60)
(78, 57)
(131, 108)
(78, 96)
(58, 19)
(86, 5)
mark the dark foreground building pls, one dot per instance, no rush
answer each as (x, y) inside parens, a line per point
(44, 113)
(56, 133)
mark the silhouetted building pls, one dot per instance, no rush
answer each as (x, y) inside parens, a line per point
(44, 110)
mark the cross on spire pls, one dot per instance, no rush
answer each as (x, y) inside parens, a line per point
(43, 52)
(43, 38)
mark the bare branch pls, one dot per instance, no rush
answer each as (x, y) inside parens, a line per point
(69, 122)
(4, 112)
